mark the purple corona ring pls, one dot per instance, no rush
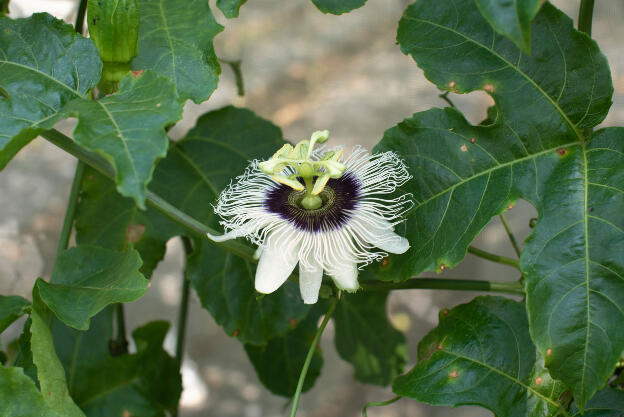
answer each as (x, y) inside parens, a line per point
(351, 223)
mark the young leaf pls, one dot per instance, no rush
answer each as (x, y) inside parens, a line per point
(50, 372)
(366, 339)
(44, 64)
(144, 384)
(12, 307)
(481, 353)
(278, 364)
(574, 266)
(511, 19)
(176, 42)
(230, 8)
(20, 397)
(608, 402)
(338, 6)
(127, 128)
(85, 279)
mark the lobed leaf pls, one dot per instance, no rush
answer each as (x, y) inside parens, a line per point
(511, 19)
(366, 339)
(127, 128)
(12, 307)
(338, 6)
(20, 397)
(85, 279)
(481, 353)
(230, 8)
(176, 42)
(44, 64)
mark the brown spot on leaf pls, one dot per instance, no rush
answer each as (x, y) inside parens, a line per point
(464, 148)
(562, 151)
(385, 262)
(472, 140)
(453, 374)
(489, 87)
(293, 322)
(440, 347)
(538, 380)
(452, 84)
(548, 352)
(445, 312)
(442, 267)
(236, 333)
(137, 74)
(158, 105)
(509, 207)
(134, 232)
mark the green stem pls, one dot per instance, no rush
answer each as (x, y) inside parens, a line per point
(238, 74)
(379, 404)
(183, 314)
(444, 96)
(96, 161)
(493, 257)
(585, 17)
(511, 236)
(80, 18)
(68, 221)
(308, 360)
(445, 284)
(121, 343)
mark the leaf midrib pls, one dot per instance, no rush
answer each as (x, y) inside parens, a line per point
(522, 73)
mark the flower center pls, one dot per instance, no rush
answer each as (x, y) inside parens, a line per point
(339, 200)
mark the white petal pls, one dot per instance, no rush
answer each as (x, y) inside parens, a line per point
(345, 276)
(380, 233)
(310, 279)
(277, 261)
(233, 234)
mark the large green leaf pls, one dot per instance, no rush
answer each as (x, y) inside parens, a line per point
(85, 279)
(50, 373)
(144, 384)
(463, 174)
(574, 267)
(127, 128)
(338, 6)
(176, 42)
(230, 8)
(607, 402)
(366, 339)
(481, 353)
(44, 64)
(12, 307)
(278, 364)
(511, 18)
(20, 397)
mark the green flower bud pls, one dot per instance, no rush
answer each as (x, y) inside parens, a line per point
(114, 27)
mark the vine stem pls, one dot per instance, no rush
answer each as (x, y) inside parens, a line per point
(183, 314)
(511, 236)
(72, 202)
(80, 17)
(585, 17)
(445, 284)
(493, 257)
(308, 359)
(379, 404)
(121, 341)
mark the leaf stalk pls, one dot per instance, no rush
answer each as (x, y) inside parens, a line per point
(493, 257)
(511, 236)
(445, 284)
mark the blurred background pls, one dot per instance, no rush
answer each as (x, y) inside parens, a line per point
(304, 71)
